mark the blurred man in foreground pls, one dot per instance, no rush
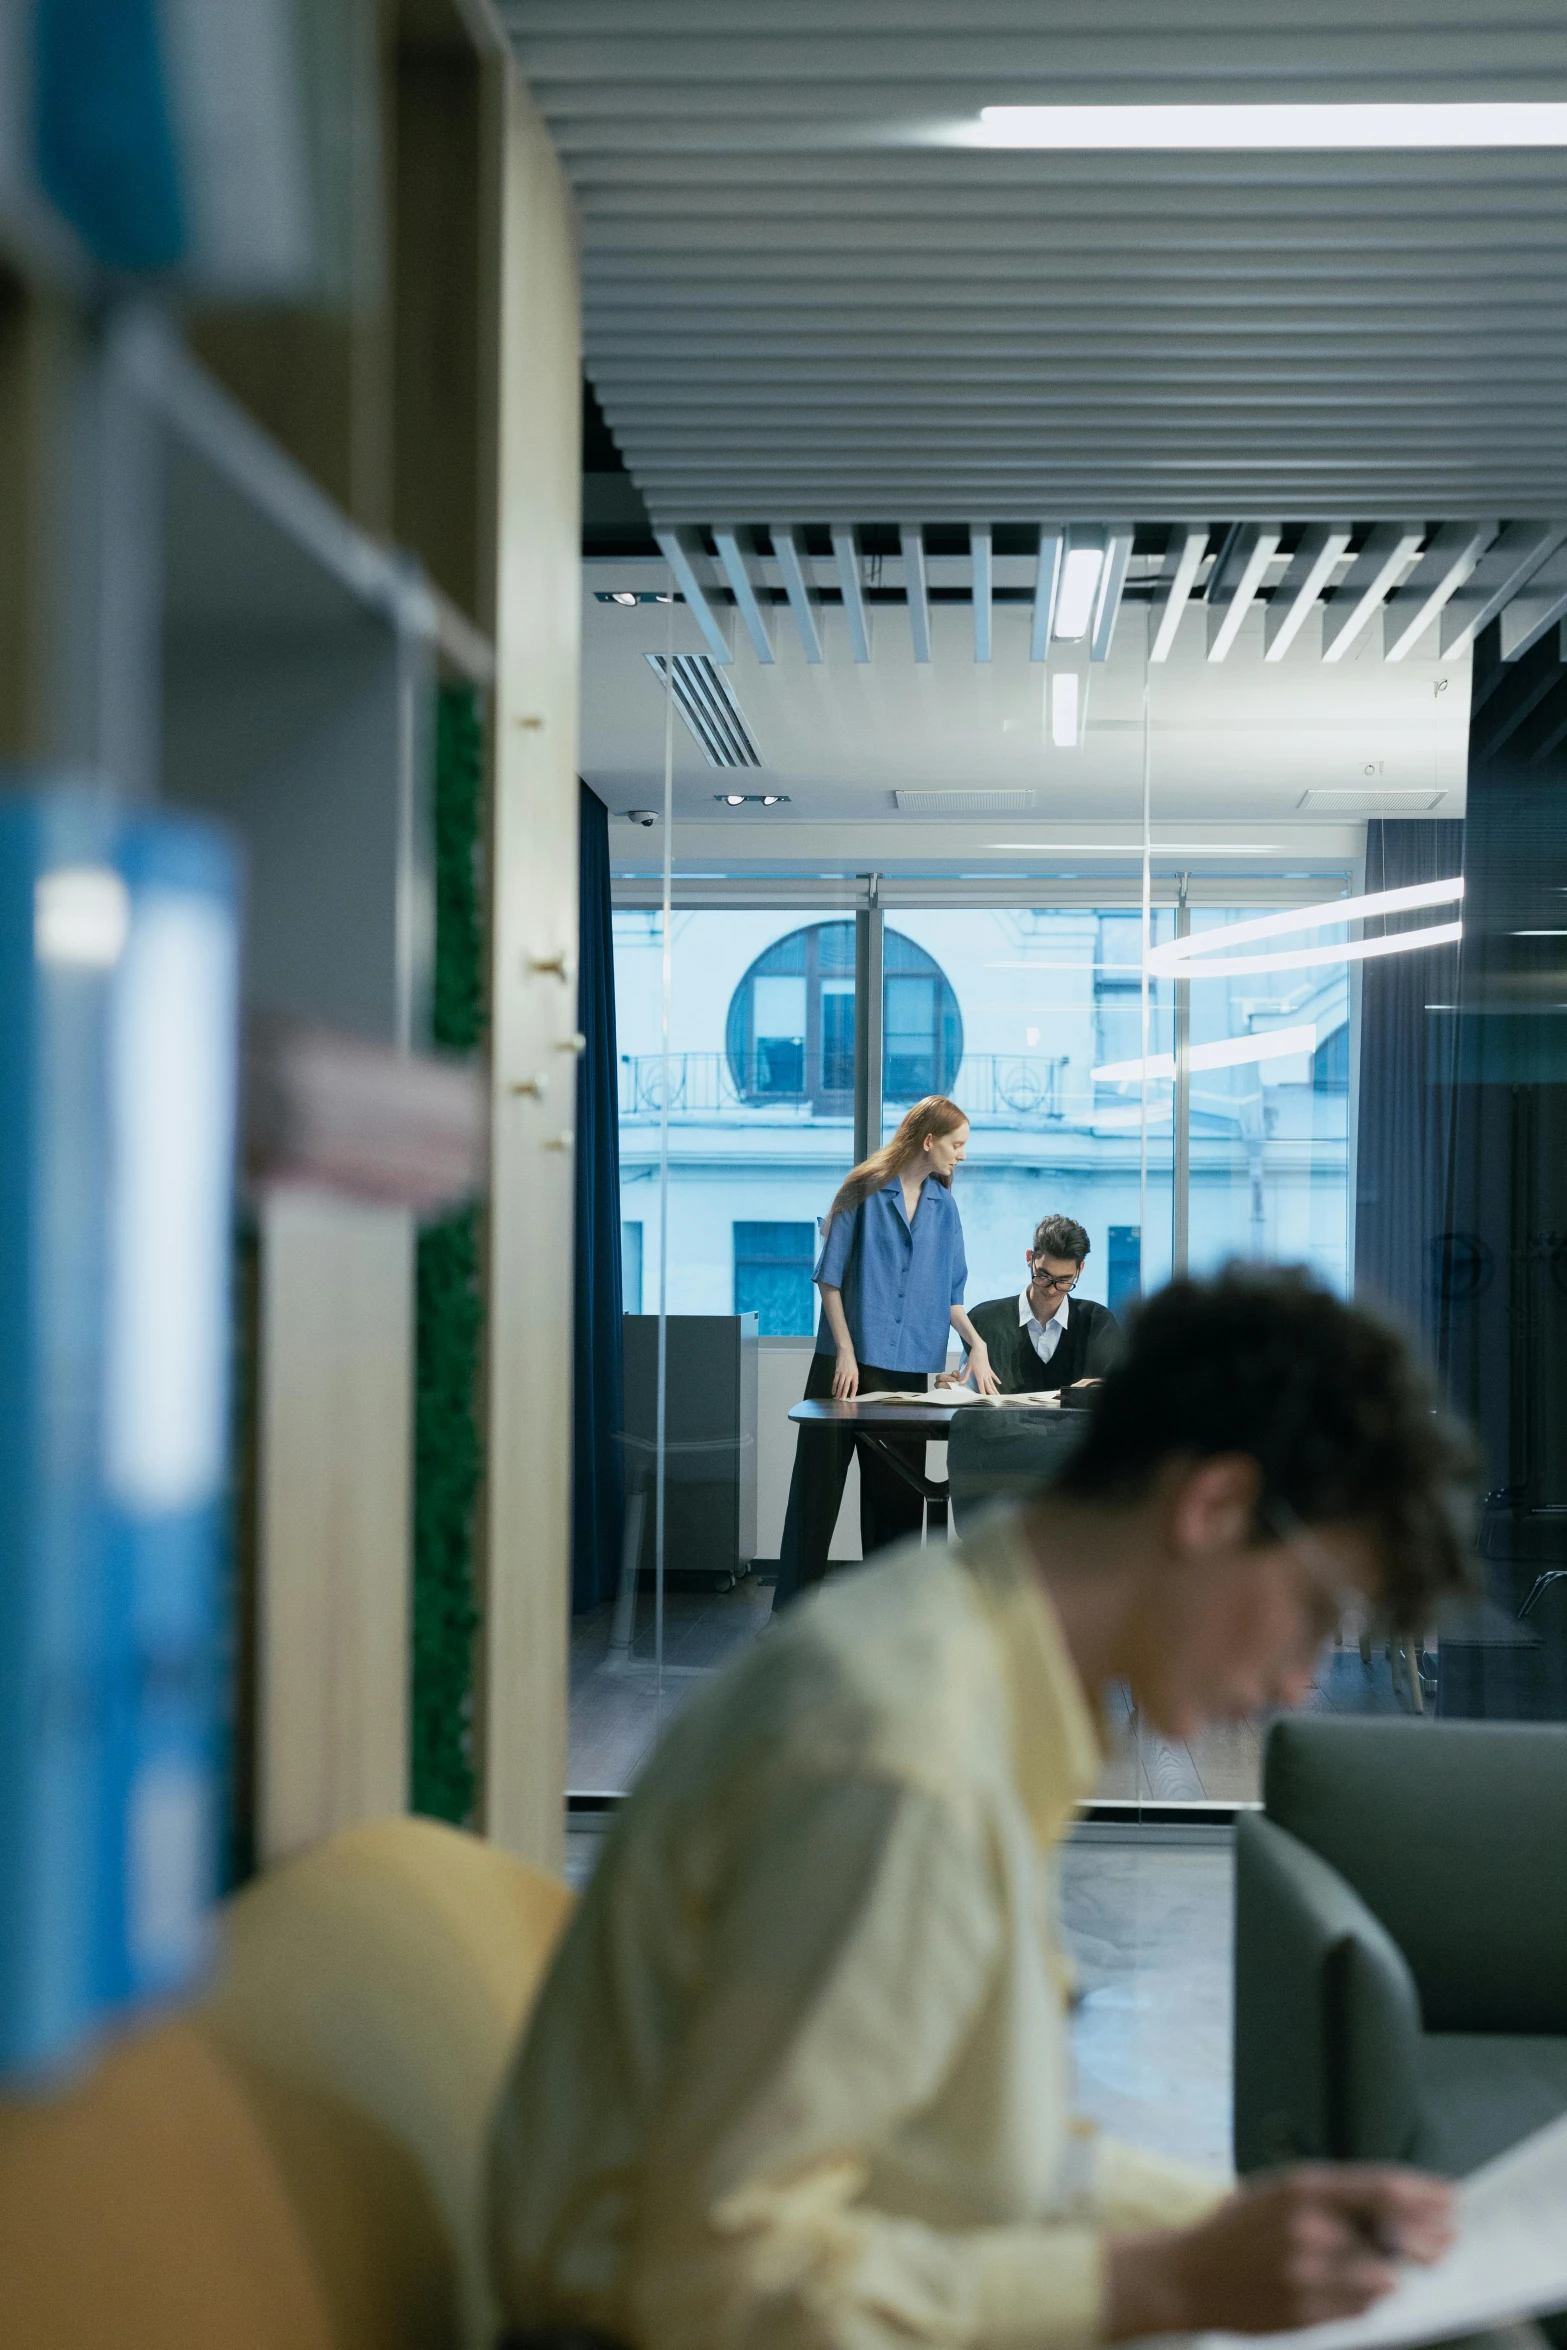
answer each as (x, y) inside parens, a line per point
(799, 2076)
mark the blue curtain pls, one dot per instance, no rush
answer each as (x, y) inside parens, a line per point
(598, 1383)
(1404, 1136)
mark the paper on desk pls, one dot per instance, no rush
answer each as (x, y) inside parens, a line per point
(923, 1395)
(959, 1395)
(1509, 2260)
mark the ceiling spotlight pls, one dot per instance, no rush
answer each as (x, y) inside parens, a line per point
(752, 799)
(770, 799)
(663, 599)
(733, 799)
(623, 596)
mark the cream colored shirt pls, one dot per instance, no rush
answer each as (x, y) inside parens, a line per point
(799, 2078)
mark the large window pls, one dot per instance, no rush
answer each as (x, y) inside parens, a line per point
(1051, 1004)
(790, 1030)
(759, 1107)
(1033, 1019)
(1074, 1111)
(773, 1277)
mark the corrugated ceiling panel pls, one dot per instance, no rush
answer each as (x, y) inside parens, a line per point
(798, 304)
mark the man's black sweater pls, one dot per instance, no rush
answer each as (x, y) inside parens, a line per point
(1086, 1349)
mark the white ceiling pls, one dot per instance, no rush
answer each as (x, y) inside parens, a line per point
(803, 307)
(1234, 747)
(799, 302)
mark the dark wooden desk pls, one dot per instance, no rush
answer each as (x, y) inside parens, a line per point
(873, 1423)
(927, 1416)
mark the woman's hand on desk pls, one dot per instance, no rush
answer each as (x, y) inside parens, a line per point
(846, 1376)
(951, 1378)
(979, 1370)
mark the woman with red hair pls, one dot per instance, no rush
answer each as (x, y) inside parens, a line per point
(891, 1274)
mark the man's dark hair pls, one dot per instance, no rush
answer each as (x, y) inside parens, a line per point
(1326, 1399)
(1061, 1236)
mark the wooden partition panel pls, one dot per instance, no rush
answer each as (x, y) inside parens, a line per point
(336, 1369)
(533, 992)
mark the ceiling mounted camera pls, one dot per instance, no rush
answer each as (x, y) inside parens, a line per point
(642, 816)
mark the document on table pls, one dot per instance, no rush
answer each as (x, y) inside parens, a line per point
(1507, 2261)
(1049, 1402)
(923, 1395)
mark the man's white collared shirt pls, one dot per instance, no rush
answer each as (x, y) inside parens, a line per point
(1044, 1337)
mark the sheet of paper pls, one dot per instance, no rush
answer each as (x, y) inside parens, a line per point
(1508, 2260)
(923, 1396)
(963, 1395)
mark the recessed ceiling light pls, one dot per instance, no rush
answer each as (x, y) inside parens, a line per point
(1063, 709)
(733, 799)
(1466, 123)
(1075, 596)
(622, 596)
(752, 799)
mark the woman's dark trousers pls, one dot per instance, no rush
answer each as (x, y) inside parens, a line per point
(890, 1507)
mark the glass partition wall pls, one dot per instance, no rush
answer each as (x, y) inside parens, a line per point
(1221, 1062)
(1187, 1100)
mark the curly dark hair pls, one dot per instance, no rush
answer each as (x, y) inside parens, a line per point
(1327, 1399)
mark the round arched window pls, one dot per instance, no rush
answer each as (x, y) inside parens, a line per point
(790, 1033)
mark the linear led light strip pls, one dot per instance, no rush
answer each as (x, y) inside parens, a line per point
(1129, 848)
(1202, 956)
(1466, 123)
(1229, 1052)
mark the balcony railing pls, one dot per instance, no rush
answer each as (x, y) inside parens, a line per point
(1020, 1088)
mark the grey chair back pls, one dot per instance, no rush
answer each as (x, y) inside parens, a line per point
(999, 1456)
(1454, 1835)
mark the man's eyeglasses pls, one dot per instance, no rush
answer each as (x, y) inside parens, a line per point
(1329, 1596)
(1056, 1283)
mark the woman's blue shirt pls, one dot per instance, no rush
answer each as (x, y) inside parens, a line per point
(899, 1282)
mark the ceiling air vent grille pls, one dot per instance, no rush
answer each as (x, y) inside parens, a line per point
(964, 803)
(709, 709)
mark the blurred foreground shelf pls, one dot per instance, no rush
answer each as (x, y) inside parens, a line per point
(267, 486)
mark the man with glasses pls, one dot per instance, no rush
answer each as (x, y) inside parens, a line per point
(799, 2077)
(1046, 1337)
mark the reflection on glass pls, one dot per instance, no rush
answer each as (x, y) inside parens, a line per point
(1269, 1113)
